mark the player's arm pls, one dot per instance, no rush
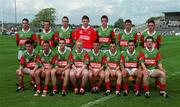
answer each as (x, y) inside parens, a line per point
(159, 41)
(141, 60)
(17, 39)
(160, 66)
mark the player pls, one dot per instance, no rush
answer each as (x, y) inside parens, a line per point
(27, 66)
(96, 67)
(79, 59)
(24, 35)
(113, 68)
(45, 60)
(130, 65)
(85, 33)
(154, 68)
(62, 67)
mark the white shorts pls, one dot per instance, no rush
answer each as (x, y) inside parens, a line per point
(20, 53)
(27, 71)
(150, 72)
(131, 70)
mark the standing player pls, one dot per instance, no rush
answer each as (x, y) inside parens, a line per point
(130, 61)
(104, 33)
(65, 32)
(112, 68)
(96, 67)
(24, 35)
(154, 68)
(79, 59)
(62, 67)
(128, 34)
(27, 65)
(45, 60)
(85, 33)
(151, 32)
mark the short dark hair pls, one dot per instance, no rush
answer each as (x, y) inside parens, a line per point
(65, 17)
(104, 16)
(62, 39)
(96, 41)
(85, 17)
(47, 42)
(113, 42)
(149, 37)
(29, 42)
(25, 19)
(128, 21)
(151, 21)
(47, 21)
(131, 41)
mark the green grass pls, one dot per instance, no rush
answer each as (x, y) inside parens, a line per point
(9, 98)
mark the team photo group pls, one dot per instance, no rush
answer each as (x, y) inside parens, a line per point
(102, 58)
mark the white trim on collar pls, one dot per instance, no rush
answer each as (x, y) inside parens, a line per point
(47, 32)
(64, 29)
(26, 31)
(60, 51)
(151, 34)
(112, 53)
(48, 53)
(125, 31)
(132, 53)
(85, 28)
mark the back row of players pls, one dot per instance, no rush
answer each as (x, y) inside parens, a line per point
(86, 54)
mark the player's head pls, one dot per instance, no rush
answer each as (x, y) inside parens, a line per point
(112, 46)
(79, 45)
(85, 20)
(25, 23)
(65, 21)
(151, 25)
(46, 25)
(128, 24)
(104, 20)
(149, 41)
(62, 43)
(96, 45)
(46, 46)
(131, 45)
(29, 45)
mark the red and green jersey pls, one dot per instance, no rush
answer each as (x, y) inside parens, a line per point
(112, 60)
(155, 35)
(64, 34)
(96, 60)
(104, 36)
(22, 36)
(151, 58)
(79, 59)
(28, 60)
(46, 60)
(62, 57)
(130, 60)
(43, 36)
(125, 37)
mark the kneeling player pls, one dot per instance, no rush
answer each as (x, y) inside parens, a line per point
(62, 68)
(96, 68)
(27, 65)
(154, 68)
(79, 59)
(130, 61)
(112, 68)
(45, 59)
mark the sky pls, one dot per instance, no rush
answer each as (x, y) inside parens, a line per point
(136, 10)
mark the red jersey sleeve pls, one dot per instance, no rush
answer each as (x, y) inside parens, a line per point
(22, 60)
(17, 38)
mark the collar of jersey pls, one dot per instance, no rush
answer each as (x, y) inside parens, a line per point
(85, 28)
(64, 29)
(151, 34)
(26, 31)
(95, 54)
(47, 32)
(104, 29)
(77, 51)
(60, 51)
(127, 32)
(112, 53)
(129, 53)
(150, 50)
(30, 54)
(48, 53)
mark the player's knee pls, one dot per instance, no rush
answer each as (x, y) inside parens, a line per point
(163, 74)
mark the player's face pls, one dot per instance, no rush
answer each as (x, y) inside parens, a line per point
(29, 47)
(65, 22)
(131, 46)
(46, 47)
(151, 26)
(85, 22)
(62, 44)
(96, 47)
(112, 47)
(25, 24)
(128, 26)
(149, 43)
(104, 22)
(46, 26)
(78, 46)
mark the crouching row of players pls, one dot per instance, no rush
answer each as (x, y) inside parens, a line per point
(97, 66)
